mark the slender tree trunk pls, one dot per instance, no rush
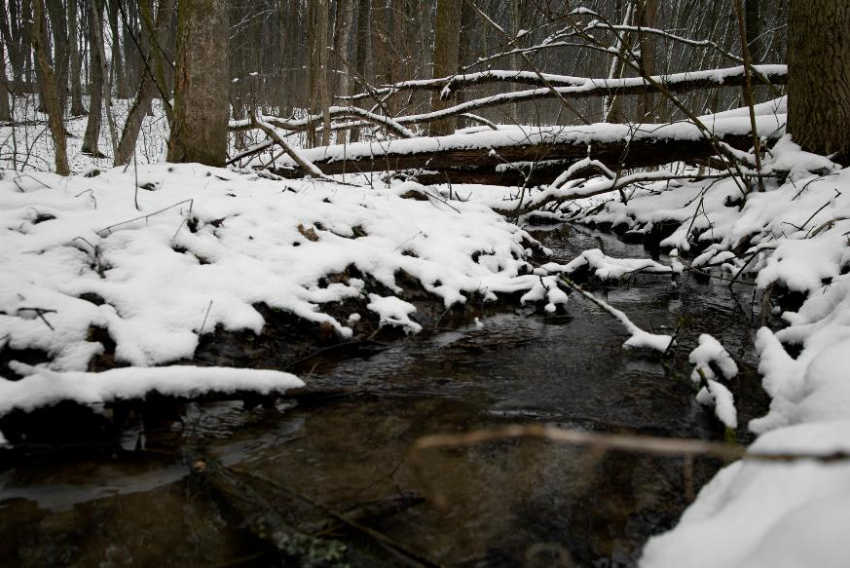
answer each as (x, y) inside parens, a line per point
(342, 41)
(119, 77)
(343, 46)
(612, 106)
(26, 36)
(319, 95)
(285, 40)
(96, 83)
(647, 12)
(362, 56)
(49, 95)
(148, 83)
(5, 111)
(11, 38)
(382, 50)
(819, 76)
(446, 54)
(77, 108)
(324, 93)
(752, 20)
(59, 25)
(202, 79)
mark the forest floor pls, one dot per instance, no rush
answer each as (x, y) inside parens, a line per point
(138, 267)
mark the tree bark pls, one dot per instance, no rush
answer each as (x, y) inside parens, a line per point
(362, 56)
(59, 25)
(119, 78)
(752, 21)
(5, 110)
(77, 108)
(647, 11)
(819, 76)
(11, 34)
(49, 94)
(92, 136)
(202, 79)
(446, 55)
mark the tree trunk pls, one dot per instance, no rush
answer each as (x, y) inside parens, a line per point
(342, 41)
(318, 67)
(647, 12)
(362, 57)
(201, 108)
(92, 136)
(5, 111)
(148, 83)
(343, 47)
(382, 51)
(752, 22)
(446, 54)
(26, 35)
(819, 76)
(59, 25)
(119, 78)
(11, 38)
(49, 95)
(77, 108)
(613, 105)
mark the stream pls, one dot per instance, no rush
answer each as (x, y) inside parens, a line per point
(517, 502)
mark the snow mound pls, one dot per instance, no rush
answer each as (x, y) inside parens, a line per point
(708, 352)
(208, 245)
(44, 387)
(394, 311)
(608, 268)
(768, 514)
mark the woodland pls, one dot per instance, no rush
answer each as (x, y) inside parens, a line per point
(424, 283)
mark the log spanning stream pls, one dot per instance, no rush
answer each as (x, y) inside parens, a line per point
(332, 481)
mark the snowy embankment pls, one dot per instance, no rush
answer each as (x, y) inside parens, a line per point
(793, 237)
(206, 247)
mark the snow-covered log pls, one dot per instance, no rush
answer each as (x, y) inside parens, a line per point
(517, 155)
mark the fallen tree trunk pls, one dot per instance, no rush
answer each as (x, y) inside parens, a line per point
(514, 156)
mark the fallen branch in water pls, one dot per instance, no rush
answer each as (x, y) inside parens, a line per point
(673, 447)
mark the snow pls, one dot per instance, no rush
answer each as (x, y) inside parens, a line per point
(721, 398)
(394, 311)
(709, 352)
(768, 514)
(254, 241)
(43, 387)
(608, 268)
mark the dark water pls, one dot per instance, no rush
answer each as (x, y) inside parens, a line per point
(504, 503)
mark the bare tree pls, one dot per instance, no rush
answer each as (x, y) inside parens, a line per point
(97, 80)
(446, 56)
(77, 108)
(49, 93)
(5, 111)
(819, 76)
(201, 102)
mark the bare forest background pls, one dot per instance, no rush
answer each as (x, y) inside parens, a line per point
(291, 58)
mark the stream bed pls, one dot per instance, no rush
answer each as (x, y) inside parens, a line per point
(518, 502)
